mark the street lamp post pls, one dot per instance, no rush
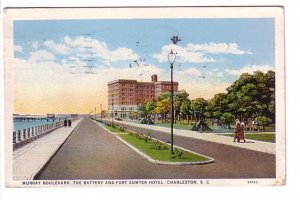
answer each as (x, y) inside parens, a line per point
(95, 114)
(171, 59)
(101, 111)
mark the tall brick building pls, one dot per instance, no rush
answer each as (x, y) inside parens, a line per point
(125, 96)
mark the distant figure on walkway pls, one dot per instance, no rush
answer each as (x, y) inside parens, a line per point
(236, 132)
(65, 122)
(69, 123)
(241, 135)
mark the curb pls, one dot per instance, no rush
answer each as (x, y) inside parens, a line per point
(211, 160)
(261, 149)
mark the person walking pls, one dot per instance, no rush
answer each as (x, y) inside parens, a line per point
(65, 122)
(69, 123)
(241, 134)
(236, 132)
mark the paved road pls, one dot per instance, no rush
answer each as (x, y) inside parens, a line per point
(92, 153)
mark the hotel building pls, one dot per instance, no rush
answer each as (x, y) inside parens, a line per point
(125, 96)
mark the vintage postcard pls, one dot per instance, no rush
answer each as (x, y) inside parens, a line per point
(144, 96)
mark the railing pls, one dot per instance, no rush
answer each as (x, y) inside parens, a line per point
(22, 137)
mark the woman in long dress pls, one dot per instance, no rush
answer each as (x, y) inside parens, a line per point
(241, 135)
(236, 132)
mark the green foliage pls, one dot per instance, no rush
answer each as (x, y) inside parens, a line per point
(159, 146)
(199, 106)
(227, 118)
(253, 95)
(165, 95)
(263, 120)
(250, 96)
(114, 129)
(163, 106)
(180, 97)
(162, 153)
(186, 107)
(147, 108)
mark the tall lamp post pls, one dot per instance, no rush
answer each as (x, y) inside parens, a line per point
(171, 59)
(101, 111)
(95, 114)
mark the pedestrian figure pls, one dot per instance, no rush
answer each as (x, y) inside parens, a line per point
(65, 122)
(69, 123)
(236, 132)
(241, 134)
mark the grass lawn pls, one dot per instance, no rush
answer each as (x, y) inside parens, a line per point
(177, 126)
(163, 154)
(258, 136)
(114, 129)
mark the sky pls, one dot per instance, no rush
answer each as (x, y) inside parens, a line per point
(63, 66)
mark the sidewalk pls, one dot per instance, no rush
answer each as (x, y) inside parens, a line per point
(31, 158)
(255, 145)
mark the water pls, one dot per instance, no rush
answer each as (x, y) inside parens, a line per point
(20, 125)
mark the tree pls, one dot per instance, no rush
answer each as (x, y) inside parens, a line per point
(198, 106)
(146, 110)
(185, 109)
(103, 113)
(143, 111)
(252, 95)
(150, 106)
(227, 119)
(263, 121)
(165, 95)
(217, 105)
(179, 98)
(163, 108)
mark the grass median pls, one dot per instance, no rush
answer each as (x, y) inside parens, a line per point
(156, 149)
(265, 137)
(114, 129)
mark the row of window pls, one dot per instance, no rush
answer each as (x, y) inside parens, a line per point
(126, 94)
(125, 108)
(126, 89)
(145, 87)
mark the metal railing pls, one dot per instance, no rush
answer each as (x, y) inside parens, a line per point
(22, 137)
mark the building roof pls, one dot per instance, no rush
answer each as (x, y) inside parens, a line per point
(137, 82)
(166, 82)
(122, 81)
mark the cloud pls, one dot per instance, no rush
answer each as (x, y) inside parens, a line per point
(217, 48)
(215, 73)
(57, 48)
(198, 53)
(73, 62)
(41, 55)
(87, 46)
(190, 72)
(184, 55)
(18, 48)
(250, 69)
